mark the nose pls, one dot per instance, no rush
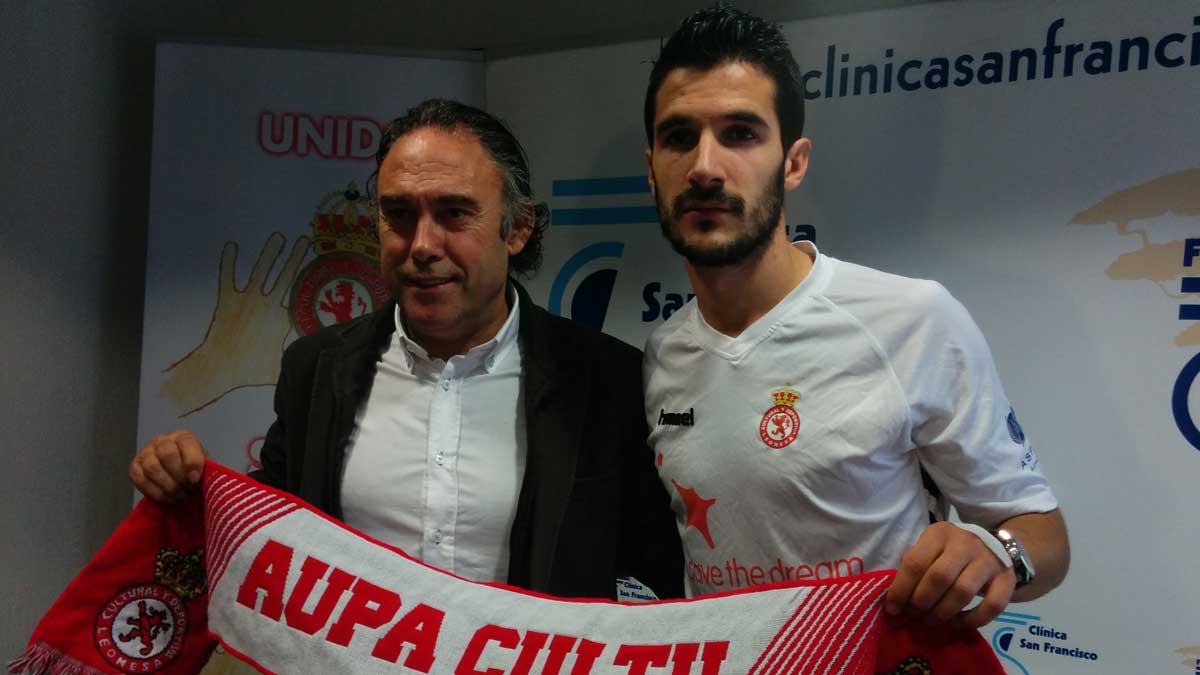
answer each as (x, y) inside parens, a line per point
(428, 240)
(706, 171)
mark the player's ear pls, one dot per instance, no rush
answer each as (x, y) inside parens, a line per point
(650, 170)
(795, 163)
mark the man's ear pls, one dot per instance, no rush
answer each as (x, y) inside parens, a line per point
(521, 230)
(795, 163)
(650, 170)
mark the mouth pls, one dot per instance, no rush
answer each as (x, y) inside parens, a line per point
(710, 204)
(706, 208)
(710, 215)
(428, 282)
(706, 211)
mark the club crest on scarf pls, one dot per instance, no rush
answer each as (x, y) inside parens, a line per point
(142, 628)
(913, 665)
(781, 423)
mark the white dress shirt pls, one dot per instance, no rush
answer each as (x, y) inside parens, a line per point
(435, 462)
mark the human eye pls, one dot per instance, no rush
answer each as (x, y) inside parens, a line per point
(679, 138)
(396, 217)
(740, 134)
(454, 216)
(394, 214)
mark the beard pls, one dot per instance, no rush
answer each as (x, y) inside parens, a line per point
(762, 220)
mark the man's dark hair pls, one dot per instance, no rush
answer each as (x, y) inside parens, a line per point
(503, 148)
(721, 34)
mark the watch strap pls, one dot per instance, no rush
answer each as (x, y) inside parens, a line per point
(990, 540)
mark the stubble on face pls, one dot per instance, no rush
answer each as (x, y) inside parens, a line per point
(761, 221)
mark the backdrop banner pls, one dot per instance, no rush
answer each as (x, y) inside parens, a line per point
(259, 230)
(1038, 159)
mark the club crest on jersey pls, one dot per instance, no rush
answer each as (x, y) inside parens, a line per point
(781, 424)
(141, 629)
(344, 281)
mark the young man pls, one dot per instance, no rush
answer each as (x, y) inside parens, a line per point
(797, 401)
(462, 423)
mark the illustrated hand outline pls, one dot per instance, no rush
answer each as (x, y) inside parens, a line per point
(245, 337)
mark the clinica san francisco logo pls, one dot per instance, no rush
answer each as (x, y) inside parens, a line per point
(1029, 644)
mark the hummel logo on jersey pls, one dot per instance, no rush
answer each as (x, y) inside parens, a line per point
(677, 419)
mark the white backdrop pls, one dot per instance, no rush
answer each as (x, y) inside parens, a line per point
(1010, 194)
(1056, 208)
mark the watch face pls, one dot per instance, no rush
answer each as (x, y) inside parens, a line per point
(1024, 575)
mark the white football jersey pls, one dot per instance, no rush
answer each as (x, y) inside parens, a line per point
(794, 450)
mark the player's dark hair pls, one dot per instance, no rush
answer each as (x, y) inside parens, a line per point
(503, 148)
(721, 34)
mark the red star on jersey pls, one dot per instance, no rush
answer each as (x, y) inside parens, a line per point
(697, 511)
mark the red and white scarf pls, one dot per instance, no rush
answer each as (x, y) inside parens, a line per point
(289, 590)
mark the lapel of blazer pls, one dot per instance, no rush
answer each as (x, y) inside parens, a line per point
(556, 389)
(343, 379)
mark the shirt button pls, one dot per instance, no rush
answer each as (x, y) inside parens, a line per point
(439, 459)
(445, 385)
(437, 537)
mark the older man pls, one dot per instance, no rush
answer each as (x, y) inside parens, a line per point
(819, 392)
(462, 422)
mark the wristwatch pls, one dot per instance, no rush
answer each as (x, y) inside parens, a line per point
(1022, 565)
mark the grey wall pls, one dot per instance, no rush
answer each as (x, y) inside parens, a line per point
(75, 111)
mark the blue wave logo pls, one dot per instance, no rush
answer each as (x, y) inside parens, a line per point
(1001, 641)
(609, 201)
(589, 304)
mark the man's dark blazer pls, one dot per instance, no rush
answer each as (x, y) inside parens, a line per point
(591, 507)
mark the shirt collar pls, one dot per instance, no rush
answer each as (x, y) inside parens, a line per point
(489, 354)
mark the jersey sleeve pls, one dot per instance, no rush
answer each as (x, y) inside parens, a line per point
(963, 427)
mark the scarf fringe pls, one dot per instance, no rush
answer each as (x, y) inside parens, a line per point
(42, 659)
